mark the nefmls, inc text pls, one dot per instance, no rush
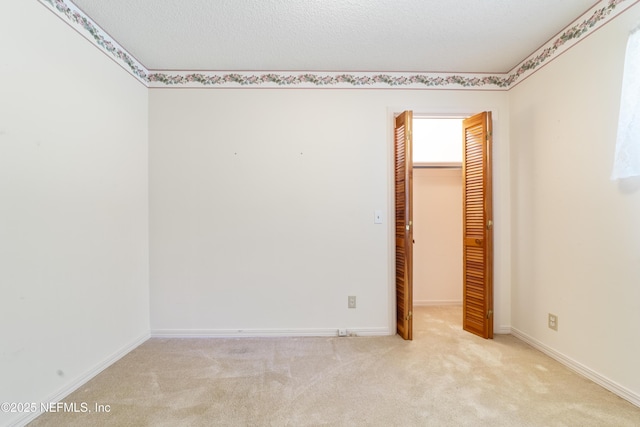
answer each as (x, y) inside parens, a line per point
(81, 407)
(72, 407)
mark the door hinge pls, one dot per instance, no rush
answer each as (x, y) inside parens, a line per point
(409, 315)
(489, 314)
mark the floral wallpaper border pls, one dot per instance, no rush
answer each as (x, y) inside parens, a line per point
(596, 17)
(73, 16)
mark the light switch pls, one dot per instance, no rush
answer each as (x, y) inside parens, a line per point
(377, 217)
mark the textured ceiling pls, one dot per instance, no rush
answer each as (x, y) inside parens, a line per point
(466, 36)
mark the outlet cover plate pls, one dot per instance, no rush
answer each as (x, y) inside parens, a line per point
(553, 322)
(352, 301)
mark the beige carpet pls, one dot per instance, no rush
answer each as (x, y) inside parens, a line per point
(445, 377)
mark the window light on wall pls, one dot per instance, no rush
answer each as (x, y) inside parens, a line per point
(626, 162)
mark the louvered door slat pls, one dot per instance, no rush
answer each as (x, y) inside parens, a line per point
(477, 240)
(404, 232)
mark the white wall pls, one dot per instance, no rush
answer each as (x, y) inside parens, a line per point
(437, 252)
(262, 206)
(576, 235)
(73, 207)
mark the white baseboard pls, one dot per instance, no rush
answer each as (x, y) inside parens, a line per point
(83, 379)
(256, 333)
(422, 303)
(586, 372)
(502, 330)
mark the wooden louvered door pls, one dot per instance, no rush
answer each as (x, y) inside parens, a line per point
(477, 231)
(404, 224)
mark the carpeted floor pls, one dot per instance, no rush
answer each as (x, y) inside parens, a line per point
(445, 377)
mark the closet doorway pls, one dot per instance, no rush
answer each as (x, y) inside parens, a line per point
(476, 237)
(437, 211)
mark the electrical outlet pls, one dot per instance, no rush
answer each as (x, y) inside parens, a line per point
(553, 322)
(352, 301)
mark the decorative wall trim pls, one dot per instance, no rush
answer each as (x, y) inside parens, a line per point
(253, 333)
(83, 378)
(594, 18)
(336, 80)
(586, 372)
(79, 21)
